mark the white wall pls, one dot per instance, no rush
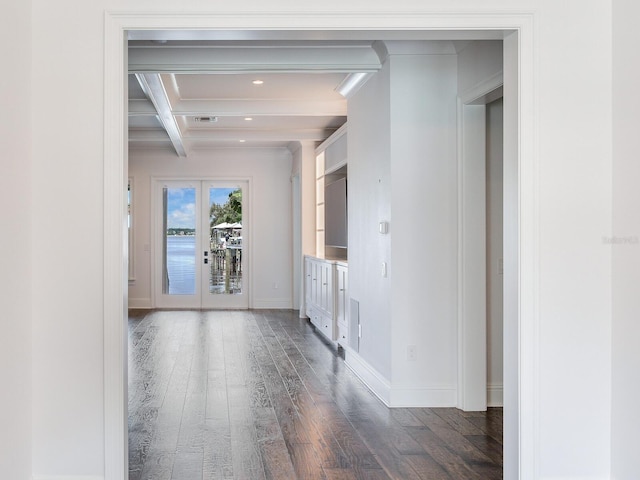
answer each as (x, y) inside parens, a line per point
(15, 242)
(269, 172)
(67, 282)
(369, 203)
(420, 250)
(625, 242)
(572, 175)
(574, 209)
(424, 228)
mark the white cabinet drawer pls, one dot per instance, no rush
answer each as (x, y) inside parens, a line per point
(327, 327)
(342, 336)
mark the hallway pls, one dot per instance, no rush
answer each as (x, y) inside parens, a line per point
(258, 395)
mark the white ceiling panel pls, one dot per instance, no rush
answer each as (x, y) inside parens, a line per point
(293, 86)
(263, 122)
(144, 121)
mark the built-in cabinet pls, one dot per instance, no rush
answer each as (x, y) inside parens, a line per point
(325, 280)
(326, 297)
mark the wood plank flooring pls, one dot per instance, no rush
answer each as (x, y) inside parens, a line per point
(257, 395)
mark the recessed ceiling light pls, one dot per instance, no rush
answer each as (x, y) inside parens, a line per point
(242, 141)
(248, 119)
(258, 82)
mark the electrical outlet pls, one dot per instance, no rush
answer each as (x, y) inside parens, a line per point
(275, 285)
(412, 355)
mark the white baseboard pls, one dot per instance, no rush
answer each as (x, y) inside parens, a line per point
(423, 397)
(272, 303)
(399, 395)
(369, 376)
(262, 303)
(139, 303)
(67, 477)
(495, 395)
(577, 478)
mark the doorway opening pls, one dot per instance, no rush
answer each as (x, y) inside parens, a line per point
(200, 239)
(115, 172)
(480, 249)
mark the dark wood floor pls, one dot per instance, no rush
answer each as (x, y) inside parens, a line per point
(257, 395)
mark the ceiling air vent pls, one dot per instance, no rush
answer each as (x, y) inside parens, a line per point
(206, 119)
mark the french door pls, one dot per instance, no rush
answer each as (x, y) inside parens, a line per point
(201, 244)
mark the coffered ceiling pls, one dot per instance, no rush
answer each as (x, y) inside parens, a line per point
(210, 89)
(192, 95)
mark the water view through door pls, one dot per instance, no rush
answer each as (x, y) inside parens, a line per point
(201, 245)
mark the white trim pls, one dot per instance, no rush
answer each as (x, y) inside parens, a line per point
(463, 24)
(115, 270)
(67, 477)
(334, 137)
(474, 95)
(145, 303)
(472, 295)
(579, 478)
(434, 396)
(297, 272)
(495, 395)
(272, 303)
(398, 396)
(369, 376)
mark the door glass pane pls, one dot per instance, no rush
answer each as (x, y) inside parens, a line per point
(225, 227)
(179, 241)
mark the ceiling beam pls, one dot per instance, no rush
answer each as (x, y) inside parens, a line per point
(254, 59)
(153, 88)
(301, 36)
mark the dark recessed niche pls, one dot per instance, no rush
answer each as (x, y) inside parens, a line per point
(335, 213)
